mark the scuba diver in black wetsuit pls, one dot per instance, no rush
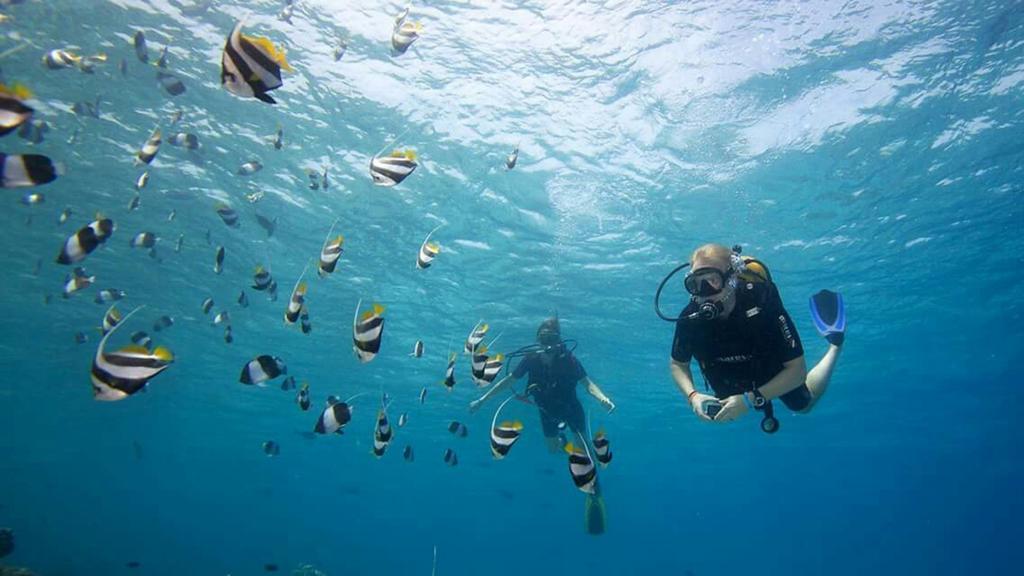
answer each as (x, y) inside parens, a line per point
(554, 372)
(744, 341)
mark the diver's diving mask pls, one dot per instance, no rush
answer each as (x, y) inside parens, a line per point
(707, 281)
(550, 341)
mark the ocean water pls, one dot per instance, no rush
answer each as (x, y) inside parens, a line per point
(873, 148)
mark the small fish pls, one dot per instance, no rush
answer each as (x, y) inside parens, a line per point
(141, 50)
(428, 251)
(251, 66)
(24, 170)
(142, 339)
(404, 35)
(295, 303)
(228, 215)
(122, 67)
(288, 383)
(85, 241)
(170, 217)
(57, 59)
(403, 419)
(269, 226)
(249, 168)
(261, 278)
(85, 108)
(135, 202)
(423, 394)
(161, 62)
(330, 252)
(142, 181)
(271, 448)
(393, 169)
(143, 240)
(111, 318)
(64, 215)
(302, 398)
(279, 138)
(334, 417)
(243, 299)
(184, 140)
(180, 243)
(285, 15)
(270, 567)
(458, 428)
(450, 458)
(449, 372)
(176, 117)
(77, 280)
(171, 83)
(510, 162)
(314, 182)
(602, 448)
(228, 336)
(272, 291)
(81, 338)
(407, 454)
(582, 469)
(109, 295)
(218, 260)
(323, 180)
(486, 368)
(35, 131)
(476, 336)
(262, 368)
(307, 327)
(367, 332)
(149, 150)
(381, 434)
(339, 50)
(162, 323)
(13, 112)
(503, 436)
(132, 564)
(117, 375)
(32, 199)
(417, 349)
(207, 305)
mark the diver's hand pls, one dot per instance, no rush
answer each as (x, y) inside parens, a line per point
(732, 408)
(607, 403)
(474, 406)
(697, 401)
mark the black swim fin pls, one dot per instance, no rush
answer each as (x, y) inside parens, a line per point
(593, 517)
(829, 315)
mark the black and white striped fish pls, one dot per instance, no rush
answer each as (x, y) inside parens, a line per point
(57, 59)
(170, 83)
(77, 280)
(510, 162)
(117, 375)
(228, 215)
(417, 349)
(111, 318)
(142, 339)
(503, 436)
(143, 240)
(367, 332)
(381, 433)
(334, 417)
(218, 260)
(207, 305)
(329, 254)
(251, 67)
(149, 150)
(162, 323)
(476, 336)
(184, 140)
(109, 295)
(307, 327)
(302, 397)
(450, 458)
(403, 419)
(13, 112)
(85, 241)
(582, 469)
(391, 170)
(428, 251)
(458, 429)
(249, 168)
(296, 303)
(143, 179)
(141, 50)
(486, 368)
(261, 278)
(404, 35)
(262, 368)
(222, 317)
(602, 448)
(23, 170)
(449, 372)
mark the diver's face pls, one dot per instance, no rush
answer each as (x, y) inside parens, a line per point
(705, 264)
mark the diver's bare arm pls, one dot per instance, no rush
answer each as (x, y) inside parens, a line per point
(791, 376)
(501, 385)
(682, 376)
(595, 391)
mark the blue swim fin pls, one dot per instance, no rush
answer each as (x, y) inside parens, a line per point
(829, 316)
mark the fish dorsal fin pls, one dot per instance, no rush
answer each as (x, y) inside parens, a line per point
(339, 240)
(301, 289)
(135, 349)
(434, 246)
(378, 309)
(569, 448)
(272, 51)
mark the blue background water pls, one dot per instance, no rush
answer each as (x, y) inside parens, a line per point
(873, 148)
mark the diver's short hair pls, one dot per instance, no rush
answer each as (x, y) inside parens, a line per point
(549, 326)
(716, 253)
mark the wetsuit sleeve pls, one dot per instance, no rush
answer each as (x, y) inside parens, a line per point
(782, 337)
(681, 350)
(577, 368)
(523, 367)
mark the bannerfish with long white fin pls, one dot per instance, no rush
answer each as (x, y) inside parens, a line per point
(367, 332)
(476, 336)
(329, 254)
(503, 436)
(391, 170)
(251, 66)
(149, 150)
(295, 303)
(582, 469)
(117, 375)
(111, 318)
(417, 349)
(449, 372)
(602, 448)
(404, 35)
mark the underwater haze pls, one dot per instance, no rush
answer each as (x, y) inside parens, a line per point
(868, 147)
